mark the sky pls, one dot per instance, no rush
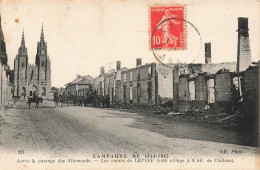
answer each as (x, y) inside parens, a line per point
(82, 36)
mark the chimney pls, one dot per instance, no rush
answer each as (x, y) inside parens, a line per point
(208, 53)
(243, 45)
(138, 61)
(118, 65)
(78, 76)
(102, 70)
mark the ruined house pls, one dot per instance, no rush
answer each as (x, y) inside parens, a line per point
(79, 85)
(147, 84)
(139, 85)
(109, 83)
(221, 85)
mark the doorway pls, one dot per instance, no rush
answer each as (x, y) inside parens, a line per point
(211, 91)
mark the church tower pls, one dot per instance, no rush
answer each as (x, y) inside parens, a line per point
(43, 64)
(42, 58)
(21, 66)
(32, 79)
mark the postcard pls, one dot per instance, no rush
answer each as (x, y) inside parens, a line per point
(111, 84)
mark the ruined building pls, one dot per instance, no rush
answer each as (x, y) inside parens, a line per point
(243, 46)
(32, 78)
(189, 86)
(5, 85)
(79, 85)
(222, 85)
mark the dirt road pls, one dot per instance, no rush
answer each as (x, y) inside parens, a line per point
(80, 130)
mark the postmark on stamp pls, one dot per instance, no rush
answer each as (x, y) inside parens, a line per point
(167, 27)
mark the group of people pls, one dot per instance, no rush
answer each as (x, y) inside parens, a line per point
(101, 100)
(94, 100)
(60, 99)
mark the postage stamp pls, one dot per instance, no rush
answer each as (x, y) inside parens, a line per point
(167, 27)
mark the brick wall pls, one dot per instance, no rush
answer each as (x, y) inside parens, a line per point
(201, 97)
(223, 84)
(201, 92)
(109, 83)
(184, 103)
(215, 67)
(201, 88)
(223, 92)
(175, 88)
(250, 89)
(195, 68)
(165, 80)
(183, 89)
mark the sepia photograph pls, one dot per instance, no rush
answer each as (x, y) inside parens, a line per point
(127, 84)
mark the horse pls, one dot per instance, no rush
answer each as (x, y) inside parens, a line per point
(63, 99)
(35, 100)
(56, 98)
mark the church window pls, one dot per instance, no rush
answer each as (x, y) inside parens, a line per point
(22, 65)
(42, 63)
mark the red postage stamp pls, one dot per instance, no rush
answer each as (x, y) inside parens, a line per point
(167, 27)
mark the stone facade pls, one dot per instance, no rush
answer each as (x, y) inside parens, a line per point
(250, 89)
(79, 86)
(139, 85)
(223, 92)
(5, 85)
(109, 83)
(165, 80)
(220, 90)
(32, 78)
(147, 84)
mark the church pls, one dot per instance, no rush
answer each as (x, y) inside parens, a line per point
(29, 78)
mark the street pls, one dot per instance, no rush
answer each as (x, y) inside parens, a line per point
(85, 130)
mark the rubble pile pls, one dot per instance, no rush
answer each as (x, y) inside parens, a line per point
(158, 110)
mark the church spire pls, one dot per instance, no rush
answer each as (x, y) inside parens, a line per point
(22, 47)
(23, 41)
(42, 34)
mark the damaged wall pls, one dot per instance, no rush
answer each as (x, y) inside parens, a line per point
(165, 80)
(201, 91)
(250, 90)
(223, 93)
(141, 83)
(183, 87)
(215, 67)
